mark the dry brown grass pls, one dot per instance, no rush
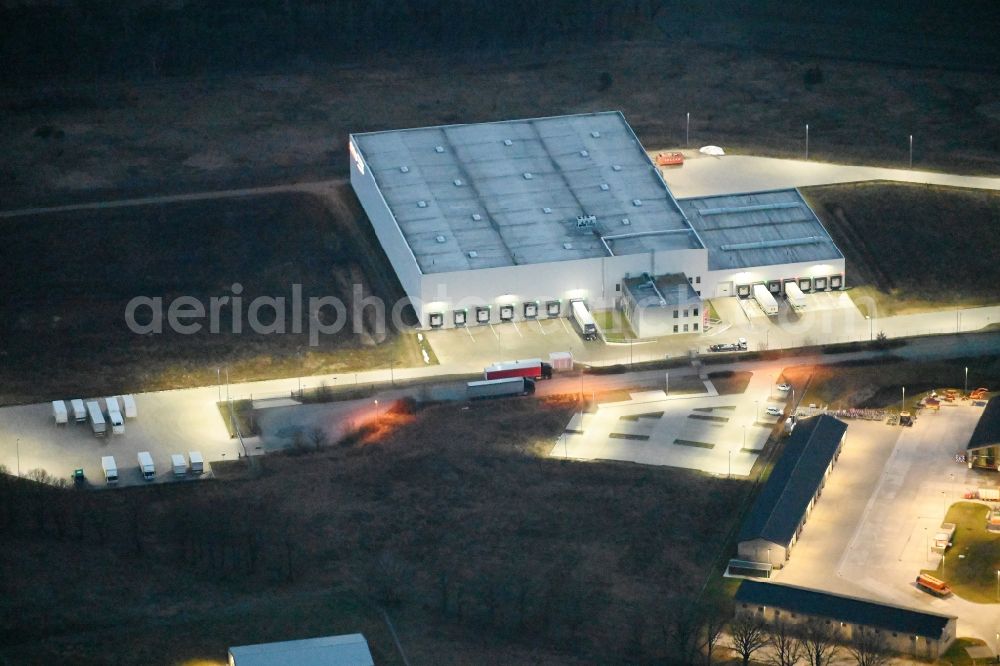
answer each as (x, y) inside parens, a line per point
(64, 333)
(487, 549)
(913, 248)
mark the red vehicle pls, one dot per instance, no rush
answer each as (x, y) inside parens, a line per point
(533, 368)
(933, 585)
(669, 159)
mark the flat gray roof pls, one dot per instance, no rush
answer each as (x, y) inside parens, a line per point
(344, 650)
(759, 229)
(670, 290)
(510, 192)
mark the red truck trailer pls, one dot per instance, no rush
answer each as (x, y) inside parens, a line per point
(533, 368)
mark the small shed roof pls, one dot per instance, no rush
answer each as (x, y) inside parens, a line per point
(987, 432)
(846, 609)
(781, 504)
(344, 650)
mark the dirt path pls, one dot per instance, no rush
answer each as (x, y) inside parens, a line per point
(318, 188)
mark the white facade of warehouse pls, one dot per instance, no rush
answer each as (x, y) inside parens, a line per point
(513, 220)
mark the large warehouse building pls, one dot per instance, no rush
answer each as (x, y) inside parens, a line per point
(514, 220)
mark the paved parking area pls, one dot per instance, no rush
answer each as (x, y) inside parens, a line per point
(708, 432)
(168, 422)
(869, 533)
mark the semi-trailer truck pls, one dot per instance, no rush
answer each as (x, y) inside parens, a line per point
(110, 469)
(115, 416)
(97, 422)
(765, 300)
(534, 368)
(583, 319)
(794, 296)
(59, 412)
(146, 465)
(497, 388)
(79, 410)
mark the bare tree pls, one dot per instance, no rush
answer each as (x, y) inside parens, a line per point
(715, 613)
(748, 634)
(869, 648)
(819, 643)
(785, 644)
(682, 630)
(318, 438)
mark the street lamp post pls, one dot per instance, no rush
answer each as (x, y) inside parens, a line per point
(376, 412)
(19, 456)
(902, 405)
(729, 475)
(807, 140)
(870, 333)
(687, 131)
(966, 379)
(998, 584)
(218, 381)
(911, 151)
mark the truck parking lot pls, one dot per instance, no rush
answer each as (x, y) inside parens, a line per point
(170, 422)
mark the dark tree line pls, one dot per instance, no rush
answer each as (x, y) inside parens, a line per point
(101, 38)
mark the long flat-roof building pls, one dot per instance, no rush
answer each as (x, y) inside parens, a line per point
(983, 450)
(779, 513)
(344, 650)
(512, 220)
(901, 630)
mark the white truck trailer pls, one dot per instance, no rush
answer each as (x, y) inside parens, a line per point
(794, 296)
(59, 412)
(498, 388)
(584, 320)
(110, 470)
(146, 465)
(115, 416)
(128, 406)
(178, 465)
(79, 410)
(97, 422)
(765, 300)
(197, 462)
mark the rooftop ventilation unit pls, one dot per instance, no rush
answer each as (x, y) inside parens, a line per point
(439, 239)
(477, 217)
(616, 167)
(404, 169)
(567, 246)
(527, 175)
(584, 153)
(473, 254)
(439, 149)
(595, 134)
(421, 204)
(508, 142)
(749, 208)
(458, 182)
(546, 210)
(626, 221)
(636, 202)
(604, 187)
(586, 221)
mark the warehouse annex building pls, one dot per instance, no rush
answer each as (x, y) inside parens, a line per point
(903, 630)
(513, 220)
(983, 450)
(779, 513)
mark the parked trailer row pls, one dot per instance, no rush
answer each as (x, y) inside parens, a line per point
(91, 410)
(180, 467)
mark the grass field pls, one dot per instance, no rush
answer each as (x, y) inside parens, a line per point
(914, 247)
(482, 551)
(971, 564)
(69, 276)
(879, 383)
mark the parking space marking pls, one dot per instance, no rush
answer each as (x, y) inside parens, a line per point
(540, 327)
(517, 329)
(469, 331)
(495, 334)
(562, 320)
